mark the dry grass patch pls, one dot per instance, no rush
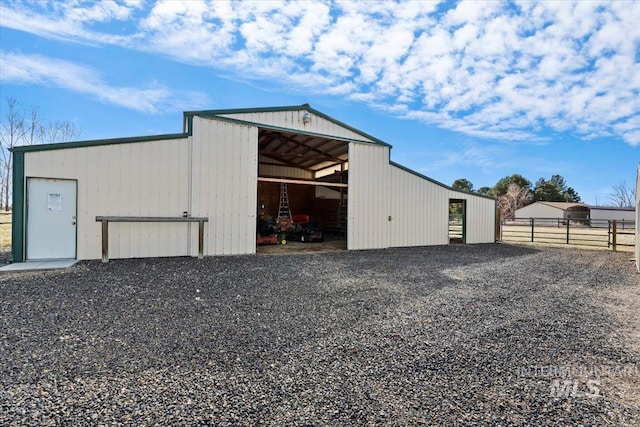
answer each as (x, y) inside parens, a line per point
(5, 230)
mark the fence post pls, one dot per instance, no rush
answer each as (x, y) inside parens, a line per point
(201, 239)
(609, 234)
(105, 240)
(568, 222)
(532, 227)
(614, 236)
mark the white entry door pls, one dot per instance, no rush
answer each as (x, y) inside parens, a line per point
(51, 218)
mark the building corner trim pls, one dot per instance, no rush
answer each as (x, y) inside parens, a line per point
(18, 209)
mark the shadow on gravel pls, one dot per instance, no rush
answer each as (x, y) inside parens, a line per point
(435, 335)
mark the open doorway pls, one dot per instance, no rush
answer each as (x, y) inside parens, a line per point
(457, 221)
(313, 224)
(302, 193)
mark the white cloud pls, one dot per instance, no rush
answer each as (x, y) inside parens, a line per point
(65, 20)
(506, 70)
(18, 68)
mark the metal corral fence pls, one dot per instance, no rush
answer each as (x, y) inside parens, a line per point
(456, 229)
(595, 233)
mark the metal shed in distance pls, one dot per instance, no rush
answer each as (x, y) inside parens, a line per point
(223, 167)
(612, 212)
(562, 210)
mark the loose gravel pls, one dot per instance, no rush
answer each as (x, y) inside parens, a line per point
(457, 335)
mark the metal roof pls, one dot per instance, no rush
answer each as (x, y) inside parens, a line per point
(292, 147)
(564, 205)
(611, 208)
(218, 114)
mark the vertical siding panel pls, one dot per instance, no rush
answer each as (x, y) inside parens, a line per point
(123, 179)
(94, 207)
(368, 201)
(420, 212)
(199, 182)
(226, 159)
(238, 135)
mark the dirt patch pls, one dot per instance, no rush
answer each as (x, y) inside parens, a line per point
(329, 245)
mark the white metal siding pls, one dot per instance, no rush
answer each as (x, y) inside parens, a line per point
(420, 212)
(292, 119)
(284, 172)
(368, 201)
(480, 219)
(135, 179)
(225, 167)
(539, 210)
(611, 214)
(327, 193)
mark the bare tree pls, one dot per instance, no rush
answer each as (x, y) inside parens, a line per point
(12, 132)
(57, 131)
(18, 129)
(623, 196)
(515, 198)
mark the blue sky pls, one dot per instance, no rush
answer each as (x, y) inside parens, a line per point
(475, 90)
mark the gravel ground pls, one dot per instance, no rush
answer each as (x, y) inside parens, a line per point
(457, 335)
(5, 255)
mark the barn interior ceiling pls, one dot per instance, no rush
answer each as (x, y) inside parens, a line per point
(311, 153)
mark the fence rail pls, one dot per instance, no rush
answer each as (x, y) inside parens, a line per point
(612, 234)
(105, 220)
(3, 220)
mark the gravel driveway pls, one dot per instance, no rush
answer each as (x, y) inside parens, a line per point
(457, 335)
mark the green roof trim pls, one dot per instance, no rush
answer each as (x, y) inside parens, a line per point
(303, 107)
(281, 129)
(411, 171)
(214, 114)
(97, 142)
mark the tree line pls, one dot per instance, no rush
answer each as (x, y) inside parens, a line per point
(25, 127)
(516, 191)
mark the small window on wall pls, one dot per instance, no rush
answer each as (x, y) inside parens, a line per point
(457, 221)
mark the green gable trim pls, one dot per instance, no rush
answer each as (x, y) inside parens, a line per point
(346, 126)
(17, 219)
(250, 110)
(285, 130)
(305, 107)
(98, 142)
(496, 225)
(188, 125)
(411, 171)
